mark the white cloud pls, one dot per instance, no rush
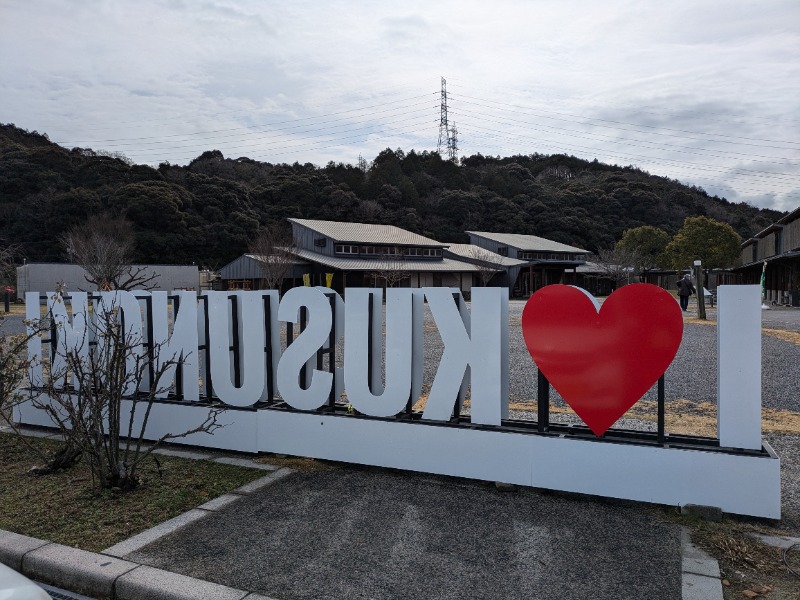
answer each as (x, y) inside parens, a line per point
(703, 91)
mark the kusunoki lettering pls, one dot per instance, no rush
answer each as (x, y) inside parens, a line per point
(230, 342)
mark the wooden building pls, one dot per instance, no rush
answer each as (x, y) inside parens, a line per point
(246, 273)
(545, 261)
(777, 246)
(343, 255)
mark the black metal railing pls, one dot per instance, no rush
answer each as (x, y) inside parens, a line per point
(543, 425)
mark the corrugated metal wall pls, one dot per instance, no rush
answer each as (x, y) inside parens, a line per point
(45, 277)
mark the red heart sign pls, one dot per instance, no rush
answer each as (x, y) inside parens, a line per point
(602, 362)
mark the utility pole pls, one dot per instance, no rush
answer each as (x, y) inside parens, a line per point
(452, 144)
(701, 299)
(445, 141)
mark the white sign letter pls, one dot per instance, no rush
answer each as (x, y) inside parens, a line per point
(480, 347)
(304, 347)
(399, 333)
(221, 325)
(180, 347)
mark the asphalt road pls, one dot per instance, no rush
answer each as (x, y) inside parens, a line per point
(372, 533)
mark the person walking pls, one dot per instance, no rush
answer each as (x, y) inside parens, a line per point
(685, 289)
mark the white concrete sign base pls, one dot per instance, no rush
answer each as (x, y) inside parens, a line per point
(739, 478)
(627, 471)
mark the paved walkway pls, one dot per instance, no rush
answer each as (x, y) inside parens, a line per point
(357, 532)
(369, 533)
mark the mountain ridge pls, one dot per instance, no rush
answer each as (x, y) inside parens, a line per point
(207, 211)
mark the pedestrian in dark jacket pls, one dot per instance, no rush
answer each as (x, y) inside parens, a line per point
(685, 289)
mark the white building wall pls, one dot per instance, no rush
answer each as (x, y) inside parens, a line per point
(45, 277)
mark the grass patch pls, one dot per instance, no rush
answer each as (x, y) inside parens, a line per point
(686, 416)
(297, 463)
(792, 337)
(749, 567)
(64, 508)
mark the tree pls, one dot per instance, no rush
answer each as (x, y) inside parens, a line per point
(272, 249)
(85, 398)
(483, 261)
(14, 364)
(618, 264)
(391, 268)
(647, 243)
(716, 244)
(104, 246)
(8, 253)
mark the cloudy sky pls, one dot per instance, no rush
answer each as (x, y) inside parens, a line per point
(707, 92)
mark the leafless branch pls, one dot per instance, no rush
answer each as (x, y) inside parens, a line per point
(88, 400)
(272, 249)
(104, 247)
(8, 259)
(483, 262)
(618, 264)
(391, 267)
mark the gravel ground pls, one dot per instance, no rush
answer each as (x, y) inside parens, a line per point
(692, 375)
(788, 448)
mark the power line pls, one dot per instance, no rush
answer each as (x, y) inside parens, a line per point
(647, 144)
(491, 133)
(160, 137)
(516, 108)
(269, 133)
(408, 116)
(655, 110)
(655, 162)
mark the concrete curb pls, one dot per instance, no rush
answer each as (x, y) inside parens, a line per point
(778, 541)
(108, 575)
(700, 572)
(102, 576)
(149, 536)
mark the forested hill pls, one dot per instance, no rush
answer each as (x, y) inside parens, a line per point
(207, 211)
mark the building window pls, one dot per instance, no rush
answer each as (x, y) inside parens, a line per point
(370, 250)
(778, 242)
(320, 242)
(239, 284)
(755, 251)
(413, 251)
(503, 250)
(346, 249)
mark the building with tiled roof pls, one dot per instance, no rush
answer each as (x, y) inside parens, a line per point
(546, 261)
(342, 255)
(359, 255)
